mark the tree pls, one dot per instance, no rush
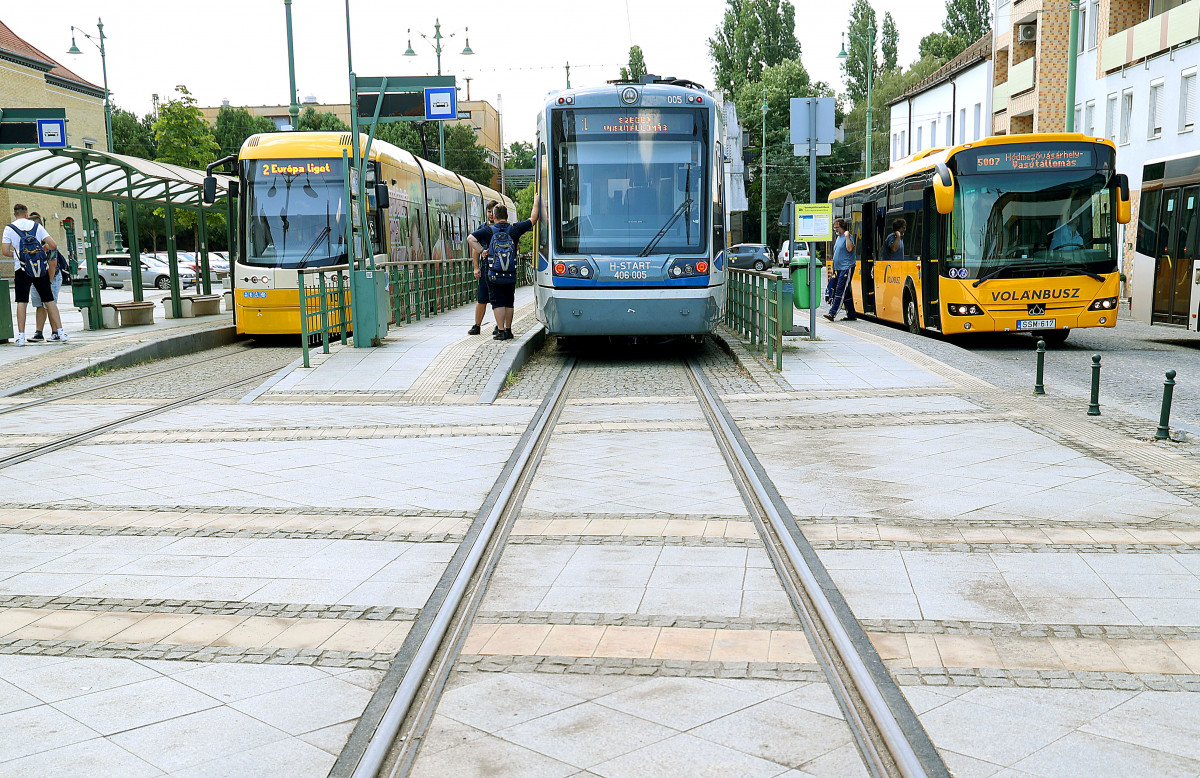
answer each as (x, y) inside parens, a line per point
(754, 35)
(313, 120)
(941, 46)
(520, 156)
(889, 86)
(636, 67)
(402, 134)
(524, 200)
(861, 56)
(463, 154)
(234, 125)
(182, 134)
(968, 19)
(132, 136)
(891, 42)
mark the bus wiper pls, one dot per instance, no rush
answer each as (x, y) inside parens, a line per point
(1081, 270)
(686, 205)
(316, 242)
(996, 272)
(1039, 266)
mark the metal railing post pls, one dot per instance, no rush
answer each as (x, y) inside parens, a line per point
(323, 291)
(1094, 405)
(1164, 418)
(343, 305)
(304, 334)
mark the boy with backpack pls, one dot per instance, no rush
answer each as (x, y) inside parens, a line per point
(63, 276)
(28, 243)
(497, 243)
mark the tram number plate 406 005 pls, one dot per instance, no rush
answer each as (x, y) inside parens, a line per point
(1036, 324)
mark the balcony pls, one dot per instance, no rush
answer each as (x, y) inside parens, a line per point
(1152, 36)
(1021, 78)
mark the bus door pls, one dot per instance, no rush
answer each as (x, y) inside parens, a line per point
(931, 264)
(1173, 271)
(866, 253)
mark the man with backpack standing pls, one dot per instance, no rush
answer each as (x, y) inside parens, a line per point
(28, 243)
(483, 296)
(501, 239)
(56, 282)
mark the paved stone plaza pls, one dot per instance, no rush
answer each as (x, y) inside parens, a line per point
(220, 589)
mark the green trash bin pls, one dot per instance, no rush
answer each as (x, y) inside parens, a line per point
(800, 290)
(81, 296)
(6, 314)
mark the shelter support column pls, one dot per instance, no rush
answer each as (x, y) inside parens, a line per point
(135, 248)
(173, 259)
(204, 282)
(95, 319)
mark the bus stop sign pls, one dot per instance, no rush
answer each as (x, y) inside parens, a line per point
(441, 103)
(52, 133)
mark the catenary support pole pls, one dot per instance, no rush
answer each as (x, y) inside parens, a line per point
(1072, 60)
(812, 199)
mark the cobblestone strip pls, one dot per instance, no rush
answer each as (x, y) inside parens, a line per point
(218, 532)
(365, 660)
(536, 515)
(773, 671)
(474, 375)
(1002, 548)
(960, 522)
(339, 612)
(278, 434)
(240, 510)
(633, 620)
(1030, 629)
(1044, 679)
(633, 540)
(763, 374)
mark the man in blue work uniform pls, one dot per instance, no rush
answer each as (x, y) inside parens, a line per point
(843, 268)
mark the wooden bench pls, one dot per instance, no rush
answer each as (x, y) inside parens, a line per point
(127, 314)
(192, 305)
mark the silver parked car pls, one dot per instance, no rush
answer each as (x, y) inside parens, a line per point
(115, 271)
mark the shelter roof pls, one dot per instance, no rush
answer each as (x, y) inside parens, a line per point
(106, 175)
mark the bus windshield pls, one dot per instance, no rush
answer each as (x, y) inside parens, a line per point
(1032, 223)
(629, 181)
(295, 213)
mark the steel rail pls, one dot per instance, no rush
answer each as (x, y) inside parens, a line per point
(79, 437)
(897, 740)
(376, 752)
(118, 382)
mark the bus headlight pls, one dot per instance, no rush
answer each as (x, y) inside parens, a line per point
(964, 309)
(1103, 304)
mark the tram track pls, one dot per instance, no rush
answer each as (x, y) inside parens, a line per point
(886, 731)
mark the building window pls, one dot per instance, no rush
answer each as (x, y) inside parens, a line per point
(1162, 6)
(1078, 125)
(978, 119)
(933, 133)
(1187, 101)
(949, 130)
(1089, 117)
(919, 129)
(1154, 130)
(1110, 120)
(1081, 42)
(903, 142)
(895, 147)
(1093, 27)
(1126, 114)
(962, 125)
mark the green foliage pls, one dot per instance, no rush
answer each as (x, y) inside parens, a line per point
(524, 200)
(182, 134)
(941, 46)
(234, 125)
(402, 134)
(968, 19)
(754, 35)
(313, 120)
(132, 136)
(463, 155)
(520, 156)
(891, 42)
(862, 50)
(887, 88)
(636, 67)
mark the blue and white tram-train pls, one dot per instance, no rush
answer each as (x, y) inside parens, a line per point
(632, 237)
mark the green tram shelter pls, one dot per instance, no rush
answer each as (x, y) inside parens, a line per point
(89, 175)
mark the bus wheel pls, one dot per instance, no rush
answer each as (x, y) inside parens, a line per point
(1053, 337)
(911, 319)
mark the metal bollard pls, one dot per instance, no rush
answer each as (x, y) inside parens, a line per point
(1164, 418)
(1094, 406)
(1038, 386)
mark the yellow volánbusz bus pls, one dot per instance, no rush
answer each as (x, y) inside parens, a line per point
(292, 214)
(1005, 234)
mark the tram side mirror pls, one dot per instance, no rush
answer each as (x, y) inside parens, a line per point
(943, 188)
(210, 190)
(1123, 207)
(381, 196)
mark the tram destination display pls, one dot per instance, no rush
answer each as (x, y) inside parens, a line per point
(1028, 158)
(640, 122)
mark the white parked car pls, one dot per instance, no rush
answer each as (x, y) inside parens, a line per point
(803, 250)
(115, 272)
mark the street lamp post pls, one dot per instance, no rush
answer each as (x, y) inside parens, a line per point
(763, 215)
(1072, 57)
(869, 43)
(108, 138)
(293, 105)
(437, 48)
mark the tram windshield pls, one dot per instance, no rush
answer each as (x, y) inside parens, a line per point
(630, 181)
(1013, 221)
(295, 213)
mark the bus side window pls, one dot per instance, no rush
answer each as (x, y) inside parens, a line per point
(1147, 231)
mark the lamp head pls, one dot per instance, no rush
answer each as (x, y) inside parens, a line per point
(843, 54)
(410, 52)
(467, 49)
(74, 49)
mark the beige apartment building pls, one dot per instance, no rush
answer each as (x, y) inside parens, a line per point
(29, 78)
(483, 117)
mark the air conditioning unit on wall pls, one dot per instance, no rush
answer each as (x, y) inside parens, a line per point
(1026, 33)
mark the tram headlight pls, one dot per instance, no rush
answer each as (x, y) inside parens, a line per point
(1103, 304)
(574, 270)
(585, 271)
(677, 271)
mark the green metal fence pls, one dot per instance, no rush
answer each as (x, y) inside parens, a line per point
(754, 309)
(324, 306)
(423, 289)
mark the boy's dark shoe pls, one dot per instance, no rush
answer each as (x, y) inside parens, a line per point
(474, 330)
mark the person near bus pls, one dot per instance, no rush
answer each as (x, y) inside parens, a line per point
(30, 247)
(893, 244)
(482, 295)
(56, 283)
(843, 268)
(501, 266)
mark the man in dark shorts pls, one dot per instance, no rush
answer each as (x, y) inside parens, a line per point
(482, 295)
(501, 294)
(22, 281)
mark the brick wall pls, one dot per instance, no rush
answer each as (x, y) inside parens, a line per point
(1054, 27)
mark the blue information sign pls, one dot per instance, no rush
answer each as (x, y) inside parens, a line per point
(52, 133)
(441, 103)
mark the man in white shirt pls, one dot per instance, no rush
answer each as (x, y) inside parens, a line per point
(23, 281)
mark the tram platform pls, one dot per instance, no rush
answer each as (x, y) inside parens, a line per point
(40, 362)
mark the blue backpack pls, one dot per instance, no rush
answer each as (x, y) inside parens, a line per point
(30, 252)
(502, 256)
